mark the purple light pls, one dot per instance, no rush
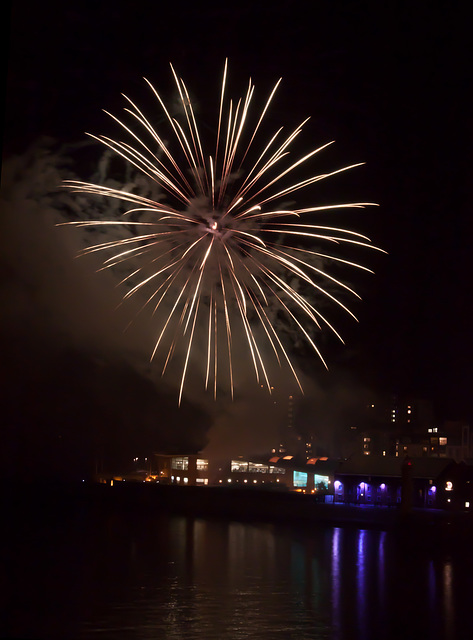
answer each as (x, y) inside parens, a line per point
(433, 489)
(337, 484)
(382, 486)
(362, 485)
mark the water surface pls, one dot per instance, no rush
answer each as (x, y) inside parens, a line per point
(132, 576)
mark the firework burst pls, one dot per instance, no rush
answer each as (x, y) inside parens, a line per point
(217, 251)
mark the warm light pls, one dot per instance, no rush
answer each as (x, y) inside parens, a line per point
(448, 485)
(229, 480)
(243, 480)
(255, 481)
(467, 505)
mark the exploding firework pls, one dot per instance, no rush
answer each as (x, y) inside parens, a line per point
(221, 249)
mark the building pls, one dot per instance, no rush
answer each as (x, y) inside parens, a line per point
(287, 472)
(388, 480)
(186, 469)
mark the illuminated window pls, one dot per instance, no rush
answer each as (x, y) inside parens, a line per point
(186, 480)
(300, 479)
(277, 470)
(321, 482)
(239, 465)
(442, 442)
(255, 467)
(202, 465)
(366, 439)
(181, 463)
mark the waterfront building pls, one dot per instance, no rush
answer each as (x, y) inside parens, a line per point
(388, 480)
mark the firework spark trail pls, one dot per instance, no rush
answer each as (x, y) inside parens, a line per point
(210, 258)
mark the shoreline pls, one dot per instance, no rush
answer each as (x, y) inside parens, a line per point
(230, 503)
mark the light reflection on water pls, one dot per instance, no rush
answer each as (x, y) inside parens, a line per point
(175, 578)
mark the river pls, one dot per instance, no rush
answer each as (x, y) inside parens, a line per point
(129, 575)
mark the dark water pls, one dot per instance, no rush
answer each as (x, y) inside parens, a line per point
(129, 576)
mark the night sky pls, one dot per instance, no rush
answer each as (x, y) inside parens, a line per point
(390, 82)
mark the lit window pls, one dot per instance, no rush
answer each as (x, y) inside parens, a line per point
(239, 465)
(300, 479)
(467, 505)
(181, 463)
(256, 467)
(202, 465)
(442, 442)
(186, 480)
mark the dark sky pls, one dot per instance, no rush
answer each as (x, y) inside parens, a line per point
(390, 82)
